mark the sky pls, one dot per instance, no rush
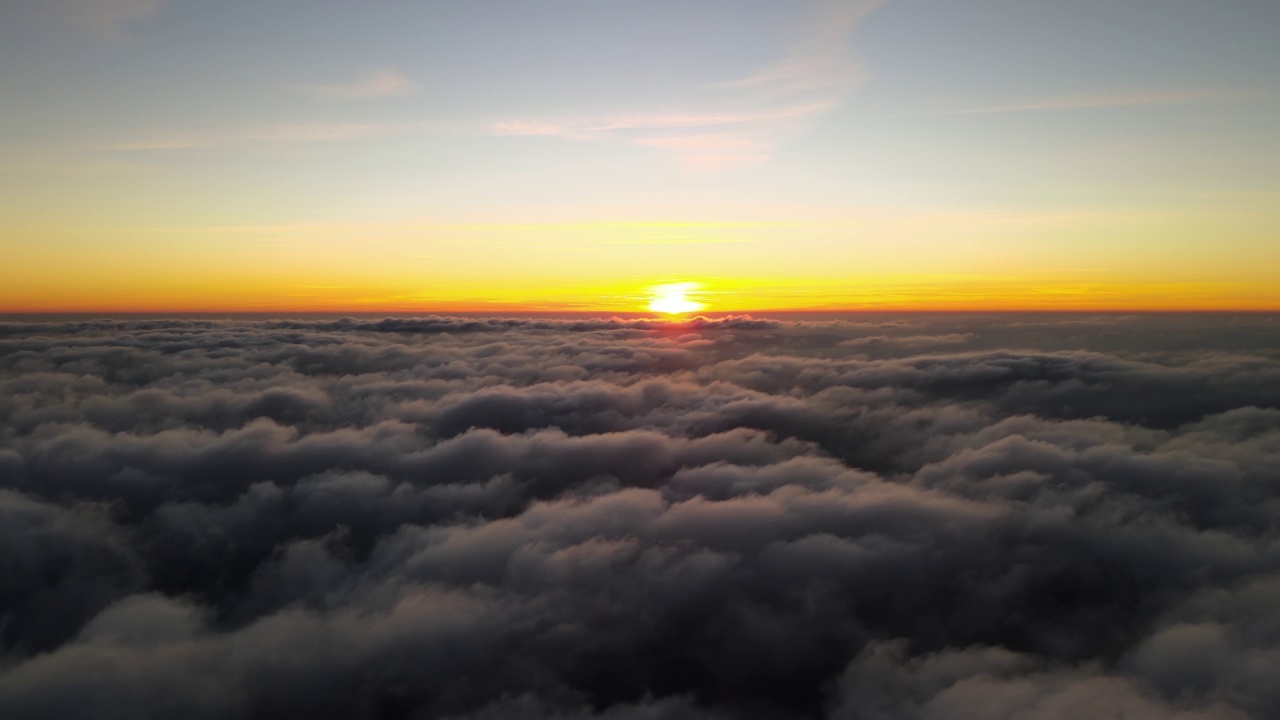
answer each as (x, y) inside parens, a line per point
(172, 155)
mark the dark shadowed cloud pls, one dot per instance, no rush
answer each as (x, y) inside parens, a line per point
(878, 517)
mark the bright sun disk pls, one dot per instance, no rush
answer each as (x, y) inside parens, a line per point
(673, 299)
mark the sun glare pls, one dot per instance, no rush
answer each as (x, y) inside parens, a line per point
(674, 299)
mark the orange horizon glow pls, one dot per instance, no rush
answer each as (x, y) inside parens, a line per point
(903, 262)
(717, 296)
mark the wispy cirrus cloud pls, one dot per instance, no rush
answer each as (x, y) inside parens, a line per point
(107, 17)
(746, 118)
(67, 166)
(275, 135)
(1103, 100)
(822, 66)
(600, 127)
(712, 151)
(383, 83)
(741, 123)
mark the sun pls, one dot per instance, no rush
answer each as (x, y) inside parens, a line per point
(673, 299)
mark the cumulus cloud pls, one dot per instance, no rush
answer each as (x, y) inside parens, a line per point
(887, 517)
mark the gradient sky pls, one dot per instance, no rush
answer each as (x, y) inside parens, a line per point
(568, 154)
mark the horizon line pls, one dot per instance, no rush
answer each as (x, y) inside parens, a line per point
(603, 313)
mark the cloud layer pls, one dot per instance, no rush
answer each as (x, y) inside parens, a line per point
(883, 517)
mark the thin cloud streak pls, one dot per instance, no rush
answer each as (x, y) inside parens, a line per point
(759, 111)
(753, 116)
(275, 135)
(823, 66)
(597, 128)
(108, 17)
(712, 152)
(1116, 100)
(384, 83)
